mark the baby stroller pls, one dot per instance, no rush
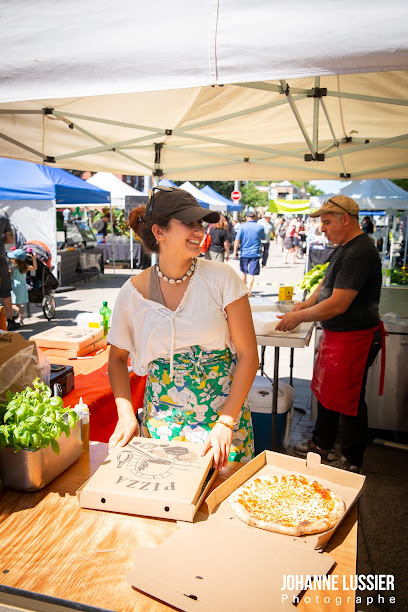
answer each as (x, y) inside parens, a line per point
(41, 285)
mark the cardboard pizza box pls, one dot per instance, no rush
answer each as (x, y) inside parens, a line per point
(151, 477)
(72, 338)
(205, 566)
(67, 353)
(346, 484)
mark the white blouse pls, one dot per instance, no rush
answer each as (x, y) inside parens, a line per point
(149, 330)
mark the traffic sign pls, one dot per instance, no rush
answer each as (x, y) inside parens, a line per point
(236, 196)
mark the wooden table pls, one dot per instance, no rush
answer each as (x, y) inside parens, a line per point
(299, 339)
(56, 556)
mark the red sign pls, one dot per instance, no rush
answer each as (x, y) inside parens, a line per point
(236, 196)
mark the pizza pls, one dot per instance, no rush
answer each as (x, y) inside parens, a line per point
(289, 504)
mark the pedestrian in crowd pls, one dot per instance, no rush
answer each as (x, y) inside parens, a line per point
(19, 268)
(66, 213)
(6, 237)
(346, 303)
(219, 248)
(101, 226)
(269, 228)
(186, 323)
(249, 237)
(367, 226)
(280, 230)
(290, 242)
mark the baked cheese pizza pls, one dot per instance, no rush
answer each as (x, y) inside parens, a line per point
(292, 505)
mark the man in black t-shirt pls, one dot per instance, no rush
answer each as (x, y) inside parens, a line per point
(346, 303)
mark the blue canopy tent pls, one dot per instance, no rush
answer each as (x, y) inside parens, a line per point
(231, 207)
(30, 193)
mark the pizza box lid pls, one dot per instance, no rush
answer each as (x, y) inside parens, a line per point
(67, 337)
(208, 566)
(151, 477)
(346, 484)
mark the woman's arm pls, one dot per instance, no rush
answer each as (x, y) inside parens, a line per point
(242, 333)
(127, 425)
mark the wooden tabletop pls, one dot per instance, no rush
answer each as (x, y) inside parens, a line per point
(51, 548)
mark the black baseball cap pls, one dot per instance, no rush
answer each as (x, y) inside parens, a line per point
(178, 204)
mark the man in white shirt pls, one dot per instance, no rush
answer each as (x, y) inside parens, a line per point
(269, 227)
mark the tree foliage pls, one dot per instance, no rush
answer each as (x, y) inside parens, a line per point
(403, 183)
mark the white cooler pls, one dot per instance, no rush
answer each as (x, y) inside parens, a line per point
(260, 403)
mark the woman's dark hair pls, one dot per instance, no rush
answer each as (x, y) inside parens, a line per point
(143, 228)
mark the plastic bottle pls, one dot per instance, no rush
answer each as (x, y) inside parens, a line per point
(386, 272)
(82, 411)
(106, 312)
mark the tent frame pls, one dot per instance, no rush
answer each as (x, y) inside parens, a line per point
(290, 95)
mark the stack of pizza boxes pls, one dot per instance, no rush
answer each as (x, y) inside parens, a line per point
(215, 561)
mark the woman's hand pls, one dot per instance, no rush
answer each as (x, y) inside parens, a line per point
(125, 429)
(219, 439)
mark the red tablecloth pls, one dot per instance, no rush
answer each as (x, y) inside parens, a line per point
(92, 384)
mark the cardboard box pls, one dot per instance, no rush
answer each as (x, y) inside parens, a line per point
(19, 364)
(222, 563)
(151, 477)
(67, 353)
(346, 484)
(73, 338)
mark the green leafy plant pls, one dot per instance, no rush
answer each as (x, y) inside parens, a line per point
(312, 278)
(34, 419)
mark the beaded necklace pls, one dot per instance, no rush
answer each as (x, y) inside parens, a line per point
(172, 281)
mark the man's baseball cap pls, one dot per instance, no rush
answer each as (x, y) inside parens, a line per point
(268, 214)
(338, 204)
(250, 212)
(17, 254)
(178, 204)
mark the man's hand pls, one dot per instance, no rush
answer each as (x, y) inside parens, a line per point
(299, 306)
(289, 321)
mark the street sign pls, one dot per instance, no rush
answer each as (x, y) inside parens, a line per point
(236, 196)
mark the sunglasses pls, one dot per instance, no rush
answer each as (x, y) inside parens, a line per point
(154, 189)
(336, 204)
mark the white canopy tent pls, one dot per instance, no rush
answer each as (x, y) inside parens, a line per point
(211, 90)
(203, 197)
(377, 195)
(117, 188)
(380, 194)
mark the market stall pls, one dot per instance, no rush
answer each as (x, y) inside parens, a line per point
(30, 193)
(83, 561)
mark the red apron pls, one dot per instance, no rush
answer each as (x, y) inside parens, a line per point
(339, 369)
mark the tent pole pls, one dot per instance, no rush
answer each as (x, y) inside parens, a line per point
(405, 240)
(113, 238)
(154, 183)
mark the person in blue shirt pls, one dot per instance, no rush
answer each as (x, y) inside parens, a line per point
(250, 235)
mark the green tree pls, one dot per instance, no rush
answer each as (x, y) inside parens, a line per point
(403, 183)
(251, 196)
(307, 187)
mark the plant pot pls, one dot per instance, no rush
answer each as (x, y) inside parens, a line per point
(30, 470)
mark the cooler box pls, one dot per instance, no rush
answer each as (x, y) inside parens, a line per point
(260, 403)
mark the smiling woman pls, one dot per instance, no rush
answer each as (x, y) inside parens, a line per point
(186, 324)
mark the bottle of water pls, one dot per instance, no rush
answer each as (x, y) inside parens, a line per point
(105, 312)
(386, 272)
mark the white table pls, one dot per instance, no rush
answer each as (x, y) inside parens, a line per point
(291, 340)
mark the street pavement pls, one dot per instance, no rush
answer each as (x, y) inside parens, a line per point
(383, 508)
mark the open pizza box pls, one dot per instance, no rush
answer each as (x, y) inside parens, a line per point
(346, 484)
(220, 563)
(73, 338)
(149, 477)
